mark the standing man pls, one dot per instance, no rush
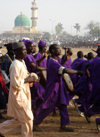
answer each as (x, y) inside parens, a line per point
(37, 91)
(40, 56)
(9, 57)
(66, 59)
(56, 92)
(77, 65)
(94, 69)
(7, 60)
(19, 103)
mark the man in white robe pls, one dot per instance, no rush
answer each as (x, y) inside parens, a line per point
(19, 102)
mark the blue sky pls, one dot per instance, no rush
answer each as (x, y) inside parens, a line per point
(50, 12)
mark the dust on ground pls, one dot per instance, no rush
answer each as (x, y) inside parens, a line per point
(50, 126)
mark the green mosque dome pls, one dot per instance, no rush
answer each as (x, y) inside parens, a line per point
(22, 20)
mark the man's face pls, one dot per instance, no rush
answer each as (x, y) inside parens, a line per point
(24, 52)
(34, 48)
(30, 48)
(44, 48)
(57, 51)
(21, 52)
(70, 52)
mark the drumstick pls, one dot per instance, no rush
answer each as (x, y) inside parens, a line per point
(9, 57)
(94, 50)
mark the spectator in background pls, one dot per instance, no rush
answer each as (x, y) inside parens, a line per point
(8, 57)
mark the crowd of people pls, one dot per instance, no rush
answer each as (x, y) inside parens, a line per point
(32, 85)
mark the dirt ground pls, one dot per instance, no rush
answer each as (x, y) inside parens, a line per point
(50, 126)
(75, 50)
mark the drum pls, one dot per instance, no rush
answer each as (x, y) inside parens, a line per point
(68, 82)
(32, 77)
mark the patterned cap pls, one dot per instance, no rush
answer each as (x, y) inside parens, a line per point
(17, 45)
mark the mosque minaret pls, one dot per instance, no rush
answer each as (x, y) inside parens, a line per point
(23, 26)
(34, 17)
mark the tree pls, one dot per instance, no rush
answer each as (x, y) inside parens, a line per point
(46, 36)
(59, 28)
(77, 27)
(94, 29)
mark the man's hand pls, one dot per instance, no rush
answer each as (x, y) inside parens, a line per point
(31, 84)
(32, 78)
(45, 54)
(80, 73)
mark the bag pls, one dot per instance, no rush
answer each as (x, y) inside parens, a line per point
(5, 77)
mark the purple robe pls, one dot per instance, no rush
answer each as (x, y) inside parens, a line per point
(37, 91)
(28, 60)
(76, 65)
(85, 89)
(56, 94)
(39, 56)
(94, 69)
(68, 63)
(56, 84)
(95, 78)
(59, 60)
